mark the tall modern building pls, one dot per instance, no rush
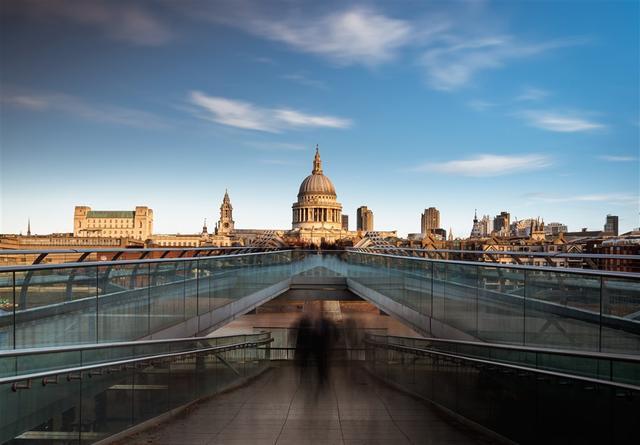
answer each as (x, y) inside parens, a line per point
(364, 219)
(611, 224)
(135, 224)
(429, 220)
(345, 222)
(502, 223)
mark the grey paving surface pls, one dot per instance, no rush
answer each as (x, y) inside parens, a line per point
(282, 408)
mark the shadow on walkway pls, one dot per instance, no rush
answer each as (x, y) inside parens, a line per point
(281, 408)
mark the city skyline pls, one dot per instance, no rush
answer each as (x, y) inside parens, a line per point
(463, 106)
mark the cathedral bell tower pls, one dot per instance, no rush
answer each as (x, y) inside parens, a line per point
(225, 225)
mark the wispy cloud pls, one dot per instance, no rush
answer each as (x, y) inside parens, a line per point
(357, 35)
(241, 114)
(489, 165)
(611, 198)
(304, 80)
(618, 158)
(76, 106)
(480, 105)
(532, 94)
(277, 146)
(123, 21)
(453, 45)
(562, 122)
(278, 162)
(454, 64)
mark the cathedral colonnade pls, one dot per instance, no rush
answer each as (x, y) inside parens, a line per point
(317, 214)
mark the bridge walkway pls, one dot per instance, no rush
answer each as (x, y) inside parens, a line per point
(281, 408)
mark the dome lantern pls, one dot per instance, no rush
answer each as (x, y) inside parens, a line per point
(317, 163)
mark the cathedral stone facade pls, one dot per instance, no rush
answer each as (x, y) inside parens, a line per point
(316, 219)
(317, 214)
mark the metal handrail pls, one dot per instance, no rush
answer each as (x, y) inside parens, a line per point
(572, 270)
(92, 346)
(352, 250)
(132, 249)
(483, 362)
(508, 252)
(554, 351)
(121, 262)
(6, 252)
(147, 358)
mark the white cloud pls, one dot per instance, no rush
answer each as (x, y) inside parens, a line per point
(532, 94)
(359, 35)
(454, 64)
(560, 122)
(127, 22)
(455, 44)
(75, 106)
(618, 158)
(241, 114)
(489, 165)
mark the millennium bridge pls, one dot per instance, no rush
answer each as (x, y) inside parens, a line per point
(124, 347)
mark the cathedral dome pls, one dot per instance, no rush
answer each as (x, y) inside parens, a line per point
(317, 215)
(317, 183)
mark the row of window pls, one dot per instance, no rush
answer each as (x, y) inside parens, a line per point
(178, 243)
(110, 223)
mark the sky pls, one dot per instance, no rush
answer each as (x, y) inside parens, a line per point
(527, 107)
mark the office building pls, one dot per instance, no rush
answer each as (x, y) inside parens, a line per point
(364, 219)
(429, 220)
(611, 224)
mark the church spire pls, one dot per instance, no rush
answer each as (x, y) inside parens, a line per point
(225, 224)
(29, 227)
(317, 163)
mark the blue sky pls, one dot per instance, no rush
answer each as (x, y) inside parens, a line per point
(529, 107)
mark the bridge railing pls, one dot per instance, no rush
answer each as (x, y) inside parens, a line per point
(83, 394)
(26, 257)
(595, 261)
(521, 402)
(74, 303)
(523, 305)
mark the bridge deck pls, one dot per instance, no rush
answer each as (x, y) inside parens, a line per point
(281, 408)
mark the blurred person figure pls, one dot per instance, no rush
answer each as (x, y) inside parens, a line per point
(304, 343)
(324, 336)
